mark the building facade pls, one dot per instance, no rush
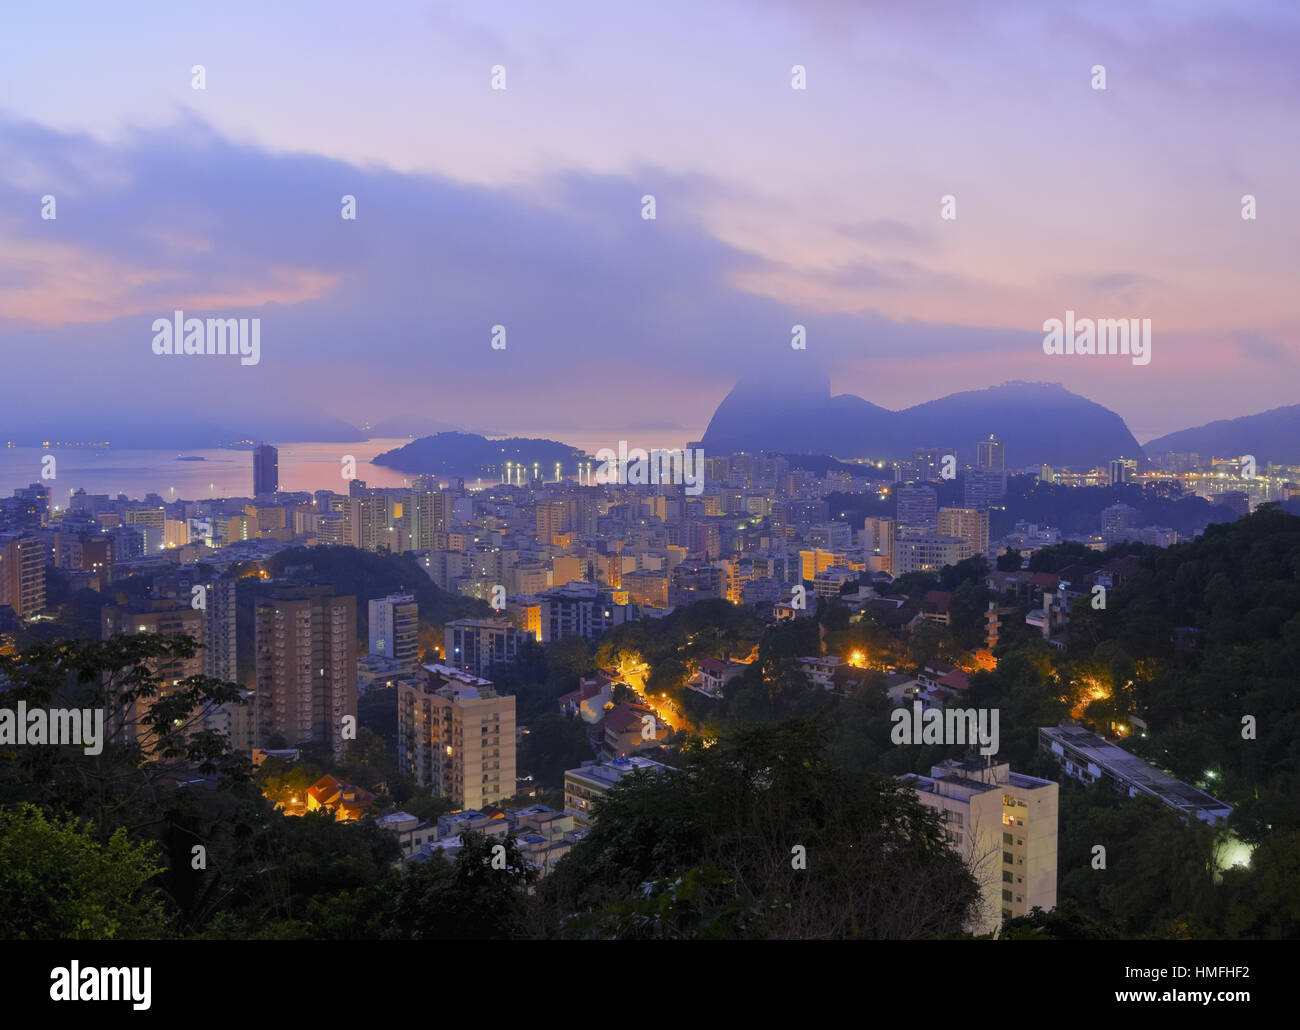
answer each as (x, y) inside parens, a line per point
(395, 629)
(305, 645)
(456, 736)
(1004, 825)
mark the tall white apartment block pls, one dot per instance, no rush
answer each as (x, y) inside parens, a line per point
(1004, 826)
(395, 628)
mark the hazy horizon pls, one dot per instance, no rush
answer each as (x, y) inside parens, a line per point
(522, 207)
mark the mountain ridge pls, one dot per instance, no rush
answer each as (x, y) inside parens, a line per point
(1040, 423)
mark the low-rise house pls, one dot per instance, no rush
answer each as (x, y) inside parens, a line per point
(584, 786)
(1117, 570)
(588, 688)
(716, 673)
(453, 824)
(1088, 758)
(411, 832)
(347, 801)
(848, 679)
(627, 728)
(938, 682)
(821, 670)
(544, 835)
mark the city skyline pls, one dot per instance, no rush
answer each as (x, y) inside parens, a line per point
(762, 469)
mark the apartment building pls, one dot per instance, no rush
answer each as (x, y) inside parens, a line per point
(1004, 825)
(475, 645)
(918, 506)
(164, 619)
(878, 542)
(395, 629)
(305, 644)
(970, 524)
(579, 609)
(426, 514)
(928, 551)
(22, 573)
(456, 736)
(366, 523)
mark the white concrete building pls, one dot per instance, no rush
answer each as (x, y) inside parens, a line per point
(1004, 825)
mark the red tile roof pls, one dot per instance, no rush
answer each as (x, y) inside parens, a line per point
(625, 716)
(939, 598)
(956, 679)
(586, 689)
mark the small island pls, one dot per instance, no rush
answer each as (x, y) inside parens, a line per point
(468, 454)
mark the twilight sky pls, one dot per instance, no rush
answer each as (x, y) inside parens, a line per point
(523, 206)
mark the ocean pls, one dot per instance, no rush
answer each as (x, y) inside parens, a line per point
(308, 466)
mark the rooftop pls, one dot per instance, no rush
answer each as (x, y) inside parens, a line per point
(1128, 767)
(609, 773)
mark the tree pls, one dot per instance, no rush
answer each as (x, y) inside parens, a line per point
(152, 725)
(567, 659)
(756, 834)
(553, 744)
(480, 896)
(58, 882)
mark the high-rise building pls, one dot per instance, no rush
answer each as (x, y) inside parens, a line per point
(1004, 825)
(991, 453)
(164, 619)
(971, 524)
(578, 609)
(1118, 522)
(155, 517)
(1122, 470)
(85, 552)
(220, 653)
(647, 587)
(32, 505)
(445, 568)
(427, 513)
(475, 645)
(306, 668)
(456, 736)
(928, 464)
(878, 542)
(553, 518)
(366, 522)
(22, 573)
(985, 488)
(1237, 500)
(395, 628)
(918, 507)
(266, 469)
(817, 560)
(233, 721)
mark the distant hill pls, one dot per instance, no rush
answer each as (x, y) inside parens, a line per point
(1040, 423)
(1270, 436)
(468, 454)
(408, 425)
